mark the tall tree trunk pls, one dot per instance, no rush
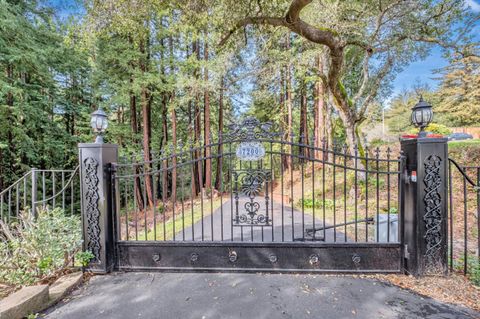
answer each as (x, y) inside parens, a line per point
(350, 124)
(8, 159)
(218, 175)
(164, 143)
(328, 124)
(146, 111)
(134, 127)
(206, 123)
(289, 103)
(283, 115)
(319, 127)
(191, 132)
(146, 114)
(303, 136)
(198, 124)
(174, 125)
(1, 171)
(174, 143)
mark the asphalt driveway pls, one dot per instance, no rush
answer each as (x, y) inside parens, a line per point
(237, 295)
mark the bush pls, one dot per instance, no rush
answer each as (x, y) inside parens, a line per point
(434, 128)
(33, 250)
(473, 266)
(309, 203)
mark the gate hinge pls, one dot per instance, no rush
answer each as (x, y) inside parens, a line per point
(406, 254)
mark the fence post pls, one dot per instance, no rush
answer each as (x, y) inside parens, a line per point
(424, 207)
(34, 192)
(96, 203)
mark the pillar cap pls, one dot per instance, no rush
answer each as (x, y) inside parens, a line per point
(423, 140)
(97, 145)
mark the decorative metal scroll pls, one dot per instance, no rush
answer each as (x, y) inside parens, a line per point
(251, 184)
(250, 129)
(433, 215)
(91, 208)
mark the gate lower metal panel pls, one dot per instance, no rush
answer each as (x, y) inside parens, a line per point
(252, 257)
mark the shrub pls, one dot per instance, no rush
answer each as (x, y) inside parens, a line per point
(434, 128)
(473, 268)
(34, 249)
(393, 210)
(309, 203)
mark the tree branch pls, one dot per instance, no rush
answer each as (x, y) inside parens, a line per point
(295, 24)
(253, 20)
(382, 73)
(459, 49)
(293, 12)
(366, 77)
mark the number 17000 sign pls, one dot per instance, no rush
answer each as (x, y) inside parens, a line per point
(250, 151)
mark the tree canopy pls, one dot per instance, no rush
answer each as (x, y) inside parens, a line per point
(174, 73)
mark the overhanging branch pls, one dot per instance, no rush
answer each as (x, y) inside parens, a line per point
(255, 21)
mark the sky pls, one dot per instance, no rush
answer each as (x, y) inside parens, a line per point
(423, 71)
(420, 72)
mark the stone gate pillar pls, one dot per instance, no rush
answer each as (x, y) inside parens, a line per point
(97, 203)
(424, 205)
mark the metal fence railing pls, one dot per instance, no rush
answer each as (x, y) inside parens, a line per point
(464, 217)
(40, 188)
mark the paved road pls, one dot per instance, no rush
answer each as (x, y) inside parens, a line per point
(288, 225)
(250, 296)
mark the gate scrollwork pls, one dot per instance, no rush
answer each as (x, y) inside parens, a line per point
(91, 208)
(250, 129)
(251, 184)
(433, 214)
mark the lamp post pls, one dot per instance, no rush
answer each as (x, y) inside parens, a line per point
(423, 204)
(422, 115)
(97, 194)
(99, 124)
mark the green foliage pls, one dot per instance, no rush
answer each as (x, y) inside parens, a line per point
(475, 274)
(393, 210)
(34, 249)
(473, 266)
(439, 129)
(84, 257)
(434, 128)
(459, 92)
(43, 91)
(310, 203)
(465, 152)
(464, 143)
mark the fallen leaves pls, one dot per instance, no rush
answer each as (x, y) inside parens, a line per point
(453, 289)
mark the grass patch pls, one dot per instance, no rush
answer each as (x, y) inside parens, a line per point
(166, 232)
(458, 144)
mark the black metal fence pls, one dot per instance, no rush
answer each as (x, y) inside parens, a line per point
(41, 188)
(290, 192)
(464, 217)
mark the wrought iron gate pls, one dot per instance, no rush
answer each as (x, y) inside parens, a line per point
(259, 199)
